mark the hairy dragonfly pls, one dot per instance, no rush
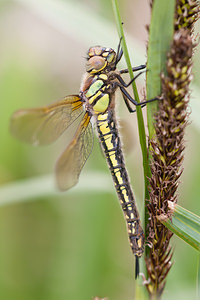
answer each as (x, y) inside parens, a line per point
(96, 100)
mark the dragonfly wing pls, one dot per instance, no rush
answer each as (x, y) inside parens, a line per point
(44, 125)
(72, 160)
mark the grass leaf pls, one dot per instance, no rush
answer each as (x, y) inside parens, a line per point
(160, 37)
(186, 225)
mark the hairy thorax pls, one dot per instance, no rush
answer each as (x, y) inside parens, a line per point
(97, 91)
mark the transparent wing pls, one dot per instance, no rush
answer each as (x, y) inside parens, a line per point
(44, 125)
(72, 160)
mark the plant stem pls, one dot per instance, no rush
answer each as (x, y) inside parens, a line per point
(140, 120)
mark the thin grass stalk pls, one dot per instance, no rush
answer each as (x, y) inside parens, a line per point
(140, 120)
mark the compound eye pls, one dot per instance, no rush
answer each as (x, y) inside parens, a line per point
(95, 64)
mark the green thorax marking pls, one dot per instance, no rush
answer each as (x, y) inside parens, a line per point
(96, 95)
(95, 86)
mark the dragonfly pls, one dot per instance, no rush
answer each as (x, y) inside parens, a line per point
(95, 101)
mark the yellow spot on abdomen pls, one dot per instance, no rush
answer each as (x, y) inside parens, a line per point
(140, 242)
(119, 177)
(104, 128)
(125, 195)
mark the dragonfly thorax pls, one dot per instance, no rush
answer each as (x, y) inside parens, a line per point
(100, 59)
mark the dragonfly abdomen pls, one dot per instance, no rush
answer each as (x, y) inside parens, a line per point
(111, 144)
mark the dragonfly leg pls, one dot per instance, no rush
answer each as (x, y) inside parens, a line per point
(128, 104)
(119, 52)
(119, 56)
(134, 69)
(127, 97)
(123, 83)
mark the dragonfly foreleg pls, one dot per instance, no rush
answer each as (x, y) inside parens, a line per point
(123, 83)
(134, 69)
(119, 52)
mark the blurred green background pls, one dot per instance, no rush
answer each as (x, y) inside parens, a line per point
(74, 245)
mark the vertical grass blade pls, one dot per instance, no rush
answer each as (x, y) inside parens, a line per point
(160, 37)
(141, 127)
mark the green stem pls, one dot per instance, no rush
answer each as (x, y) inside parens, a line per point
(141, 127)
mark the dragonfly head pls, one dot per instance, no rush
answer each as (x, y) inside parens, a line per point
(100, 59)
